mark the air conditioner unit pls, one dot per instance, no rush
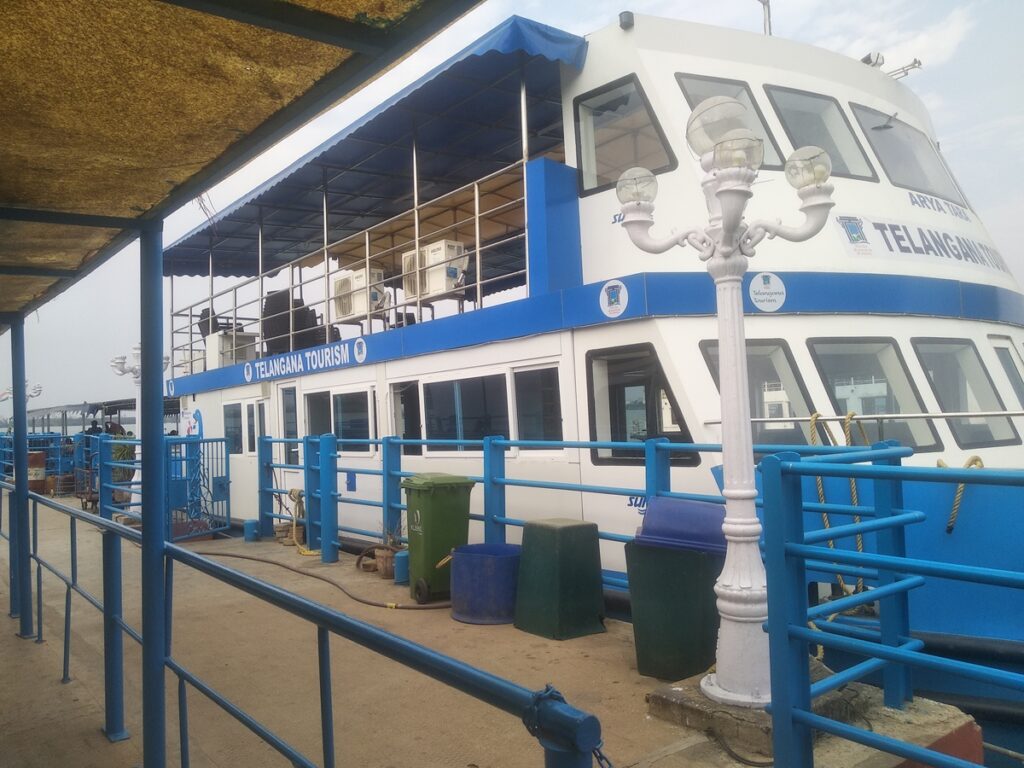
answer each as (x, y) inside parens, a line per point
(444, 264)
(350, 293)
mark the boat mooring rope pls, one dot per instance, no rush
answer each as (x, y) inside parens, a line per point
(973, 462)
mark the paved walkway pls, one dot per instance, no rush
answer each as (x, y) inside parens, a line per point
(265, 660)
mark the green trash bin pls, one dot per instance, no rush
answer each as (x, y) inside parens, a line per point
(437, 513)
(672, 564)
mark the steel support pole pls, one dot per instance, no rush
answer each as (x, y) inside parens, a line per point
(113, 638)
(19, 507)
(153, 491)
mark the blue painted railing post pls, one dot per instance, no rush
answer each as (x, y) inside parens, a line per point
(894, 610)
(328, 499)
(790, 675)
(19, 506)
(113, 639)
(12, 556)
(494, 492)
(657, 466)
(311, 485)
(154, 496)
(265, 479)
(391, 487)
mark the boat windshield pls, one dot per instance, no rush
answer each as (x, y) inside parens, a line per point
(616, 130)
(776, 391)
(1010, 360)
(697, 88)
(961, 383)
(908, 156)
(811, 119)
(869, 376)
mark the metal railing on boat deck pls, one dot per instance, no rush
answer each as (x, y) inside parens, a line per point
(326, 459)
(569, 737)
(886, 644)
(386, 276)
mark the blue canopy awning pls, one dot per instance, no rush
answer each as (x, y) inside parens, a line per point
(465, 116)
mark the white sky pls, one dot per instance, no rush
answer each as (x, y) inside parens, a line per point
(972, 57)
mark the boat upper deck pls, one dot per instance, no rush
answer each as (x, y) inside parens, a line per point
(490, 181)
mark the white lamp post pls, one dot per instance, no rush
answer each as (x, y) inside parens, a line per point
(120, 366)
(730, 154)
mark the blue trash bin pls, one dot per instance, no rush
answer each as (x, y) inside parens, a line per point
(484, 578)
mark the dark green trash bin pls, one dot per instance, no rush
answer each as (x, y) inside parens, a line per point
(559, 592)
(672, 564)
(437, 513)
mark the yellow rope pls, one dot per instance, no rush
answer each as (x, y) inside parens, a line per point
(973, 462)
(819, 483)
(295, 494)
(854, 496)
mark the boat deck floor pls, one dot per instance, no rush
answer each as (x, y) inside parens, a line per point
(265, 660)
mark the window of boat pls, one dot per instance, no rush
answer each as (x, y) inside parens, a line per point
(616, 130)
(352, 420)
(1010, 360)
(290, 422)
(814, 119)
(318, 413)
(261, 418)
(406, 398)
(908, 156)
(233, 427)
(465, 409)
(250, 428)
(776, 391)
(868, 377)
(962, 384)
(697, 88)
(538, 404)
(631, 401)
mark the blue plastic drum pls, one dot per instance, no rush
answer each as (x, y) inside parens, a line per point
(484, 578)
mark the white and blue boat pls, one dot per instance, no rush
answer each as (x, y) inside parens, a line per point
(452, 266)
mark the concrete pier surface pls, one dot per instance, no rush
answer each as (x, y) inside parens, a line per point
(386, 715)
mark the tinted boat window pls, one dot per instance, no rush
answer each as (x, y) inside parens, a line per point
(869, 376)
(289, 412)
(776, 391)
(250, 431)
(908, 156)
(1012, 366)
(813, 119)
(233, 427)
(352, 420)
(616, 130)
(318, 413)
(697, 88)
(630, 401)
(466, 409)
(961, 384)
(538, 405)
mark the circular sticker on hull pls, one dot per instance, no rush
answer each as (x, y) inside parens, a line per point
(614, 298)
(767, 291)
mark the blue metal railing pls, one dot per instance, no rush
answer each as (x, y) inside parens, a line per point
(322, 466)
(569, 737)
(886, 645)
